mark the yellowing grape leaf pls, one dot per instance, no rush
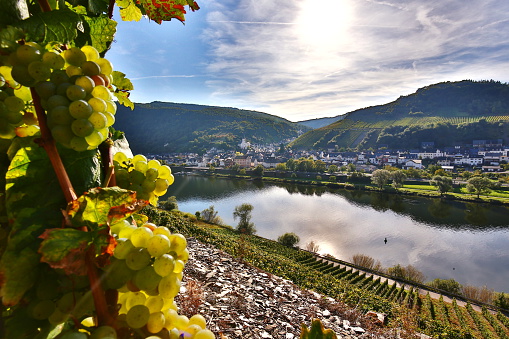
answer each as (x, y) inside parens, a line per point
(123, 98)
(165, 10)
(131, 13)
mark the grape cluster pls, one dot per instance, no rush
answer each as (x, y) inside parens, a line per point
(73, 87)
(148, 178)
(15, 116)
(147, 268)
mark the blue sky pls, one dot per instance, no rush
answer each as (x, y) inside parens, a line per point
(304, 59)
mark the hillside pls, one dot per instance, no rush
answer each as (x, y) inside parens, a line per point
(320, 122)
(162, 127)
(447, 113)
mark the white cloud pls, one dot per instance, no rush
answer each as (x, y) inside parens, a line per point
(305, 59)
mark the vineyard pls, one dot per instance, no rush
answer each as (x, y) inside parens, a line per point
(434, 317)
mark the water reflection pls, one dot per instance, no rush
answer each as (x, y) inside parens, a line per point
(435, 235)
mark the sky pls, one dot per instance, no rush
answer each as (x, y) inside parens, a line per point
(306, 59)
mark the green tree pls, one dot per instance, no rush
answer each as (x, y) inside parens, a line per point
(398, 178)
(288, 239)
(380, 178)
(281, 167)
(351, 167)
(243, 213)
(332, 169)
(258, 171)
(169, 204)
(479, 185)
(407, 272)
(333, 178)
(291, 164)
(443, 184)
(449, 285)
(210, 215)
(320, 166)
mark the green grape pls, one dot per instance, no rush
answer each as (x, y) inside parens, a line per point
(74, 56)
(135, 298)
(204, 334)
(79, 144)
(164, 265)
(162, 230)
(27, 54)
(73, 71)
(112, 107)
(139, 157)
(155, 322)
(59, 77)
(62, 88)
(169, 286)
(110, 118)
(14, 118)
(106, 66)
(117, 274)
(154, 164)
(146, 279)
(120, 157)
(66, 303)
(39, 70)
(170, 316)
(63, 134)
(58, 317)
(86, 82)
(127, 231)
(98, 105)
(81, 127)
(80, 109)
(179, 266)
(122, 176)
(94, 139)
(6, 130)
(148, 185)
(141, 166)
(90, 52)
(74, 335)
(115, 229)
(178, 243)
(98, 120)
(141, 236)
(138, 258)
(164, 172)
(91, 68)
(184, 256)
(53, 60)
(192, 329)
(14, 104)
(199, 320)
(20, 74)
(45, 89)
(42, 309)
(182, 322)
(124, 246)
(154, 303)
(161, 186)
(136, 177)
(137, 316)
(60, 115)
(101, 92)
(104, 332)
(56, 100)
(75, 92)
(158, 245)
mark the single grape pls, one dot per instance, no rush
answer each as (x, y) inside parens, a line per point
(7, 131)
(101, 92)
(14, 104)
(182, 322)
(98, 120)
(90, 52)
(161, 186)
(60, 115)
(122, 176)
(136, 177)
(62, 88)
(135, 298)
(162, 230)
(42, 309)
(126, 232)
(106, 66)
(39, 70)
(53, 60)
(171, 180)
(91, 68)
(192, 329)
(58, 77)
(75, 92)
(155, 322)
(58, 317)
(20, 74)
(80, 109)
(94, 139)
(141, 166)
(104, 332)
(56, 100)
(154, 164)
(27, 54)
(184, 256)
(79, 144)
(204, 334)
(141, 236)
(115, 229)
(178, 243)
(98, 80)
(179, 266)
(14, 118)
(199, 320)
(146, 279)
(139, 157)
(66, 303)
(45, 89)
(110, 118)
(82, 127)
(120, 157)
(138, 258)
(98, 105)
(164, 172)
(86, 82)
(117, 274)
(169, 286)
(148, 185)
(137, 316)
(112, 107)
(164, 265)
(74, 56)
(124, 246)
(72, 71)
(63, 134)
(158, 245)
(154, 303)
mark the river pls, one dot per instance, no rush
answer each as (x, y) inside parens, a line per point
(443, 239)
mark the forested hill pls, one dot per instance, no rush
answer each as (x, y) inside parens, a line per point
(161, 127)
(446, 113)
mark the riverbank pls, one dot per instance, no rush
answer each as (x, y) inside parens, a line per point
(411, 188)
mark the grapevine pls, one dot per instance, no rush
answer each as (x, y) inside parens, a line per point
(80, 265)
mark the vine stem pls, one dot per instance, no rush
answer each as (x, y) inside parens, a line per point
(44, 4)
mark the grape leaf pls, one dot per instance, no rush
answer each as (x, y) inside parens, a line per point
(9, 37)
(165, 10)
(98, 32)
(121, 82)
(65, 248)
(130, 13)
(59, 25)
(98, 6)
(123, 98)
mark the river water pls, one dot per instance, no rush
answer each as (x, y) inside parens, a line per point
(443, 239)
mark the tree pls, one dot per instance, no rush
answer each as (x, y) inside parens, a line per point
(281, 167)
(320, 166)
(169, 204)
(479, 185)
(380, 178)
(443, 184)
(288, 239)
(312, 246)
(408, 273)
(351, 167)
(449, 285)
(209, 215)
(258, 171)
(398, 178)
(332, 169)
(243, 212)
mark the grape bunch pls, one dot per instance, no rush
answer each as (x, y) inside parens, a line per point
(146, 269)
(73, 88)
(16, 117)
(148, 178)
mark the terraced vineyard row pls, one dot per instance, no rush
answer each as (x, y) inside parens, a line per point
(364, 290)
